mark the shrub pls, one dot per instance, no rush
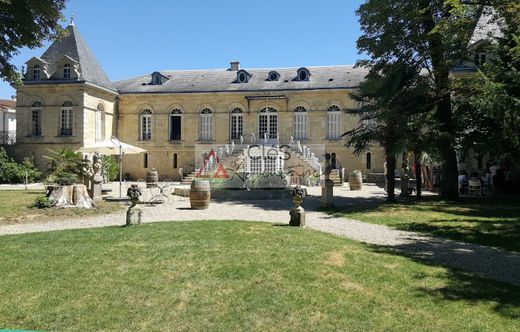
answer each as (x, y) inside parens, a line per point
(63, 163)
(66, 179)
(42, 202)
(13, 172)
(110, 168)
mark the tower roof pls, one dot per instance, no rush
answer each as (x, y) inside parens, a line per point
(75, 47)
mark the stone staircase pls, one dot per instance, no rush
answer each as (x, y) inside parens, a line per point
(336, 178)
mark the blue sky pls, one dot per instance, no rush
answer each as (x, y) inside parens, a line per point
(134, 37)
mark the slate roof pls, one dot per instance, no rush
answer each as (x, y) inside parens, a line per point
(224, 80)
(74, 46)
(487, 27)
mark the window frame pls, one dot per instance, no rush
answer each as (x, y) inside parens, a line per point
(176, 112)
(67, 71)
(236, 123)
(145, 125)
(36, 126)
(66, 119)
(300, 122)
(206, 124)
(333, 122)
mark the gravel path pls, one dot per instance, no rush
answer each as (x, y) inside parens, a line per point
(484, 261)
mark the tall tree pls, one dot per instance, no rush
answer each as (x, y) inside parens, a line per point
(389, 115)
(26, 23)
(428, 36)
(488, 102)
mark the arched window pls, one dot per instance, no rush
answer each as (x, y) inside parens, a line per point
(146, 125)
(66, 119)
(333, 122)
(303, 74)
(205, 125)
(175, 125)
(100, 123)
(237, 123)
(66, 71)
(36, 72)
(268, 124)
(36, 119)
(300, 122)
(369, 160)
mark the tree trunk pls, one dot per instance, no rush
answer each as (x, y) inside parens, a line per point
(390, 176)
(418, 173)
(441, 67)
(71, 196)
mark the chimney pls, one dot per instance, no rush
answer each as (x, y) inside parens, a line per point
(235, 66)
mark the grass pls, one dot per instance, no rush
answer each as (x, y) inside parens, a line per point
(15, 207)
(231, 275)
(492, 221)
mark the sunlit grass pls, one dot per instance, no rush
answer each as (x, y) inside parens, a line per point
(230, 276)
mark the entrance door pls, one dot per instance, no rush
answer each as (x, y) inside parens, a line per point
(333, 160)
(268, 126)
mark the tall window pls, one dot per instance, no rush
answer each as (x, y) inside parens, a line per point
(146, 125)
(369, 160)
(145, 160)
(36, 72)
(300, 123)
(175, 125)
(333, 122)
(66, 71)
(237, 124)
(66, 119)
(205, 125)
(268, 124)
(36, 119)
(100, 123)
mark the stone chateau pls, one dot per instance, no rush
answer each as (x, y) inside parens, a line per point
(68, 100)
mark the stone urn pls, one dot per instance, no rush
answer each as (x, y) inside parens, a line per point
(134, 214)
(297, 213)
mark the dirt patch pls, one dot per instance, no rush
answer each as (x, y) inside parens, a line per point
(335, 258)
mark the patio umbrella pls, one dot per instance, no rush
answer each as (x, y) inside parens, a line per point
(113, 146)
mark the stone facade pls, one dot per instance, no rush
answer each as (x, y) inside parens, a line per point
(67, 82)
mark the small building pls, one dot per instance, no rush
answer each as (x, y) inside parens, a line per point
(7, 122)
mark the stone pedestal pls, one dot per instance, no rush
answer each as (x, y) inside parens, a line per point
(95, 187)
(327, 194)
(134, 215)
(297, 217)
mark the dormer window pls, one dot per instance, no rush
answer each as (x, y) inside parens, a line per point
(243, 76)
(273, 76)
(36, 72)
(158, 78)
(303, 74)
(66, 71)
(480, 59)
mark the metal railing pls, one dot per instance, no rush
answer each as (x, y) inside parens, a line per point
(7, 137)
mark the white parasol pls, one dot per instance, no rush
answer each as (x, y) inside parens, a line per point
(113, 146)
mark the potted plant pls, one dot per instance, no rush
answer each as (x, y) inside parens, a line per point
(133, 193)
(297, 194)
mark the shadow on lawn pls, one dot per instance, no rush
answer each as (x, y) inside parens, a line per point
(493, 221)
(467, 286)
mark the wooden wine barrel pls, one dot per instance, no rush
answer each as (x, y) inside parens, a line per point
(152, 178)
(355, 180)
(200, 194)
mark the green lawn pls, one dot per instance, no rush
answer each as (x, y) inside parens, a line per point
(15, 207)
(492, 221)
(231, 276)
